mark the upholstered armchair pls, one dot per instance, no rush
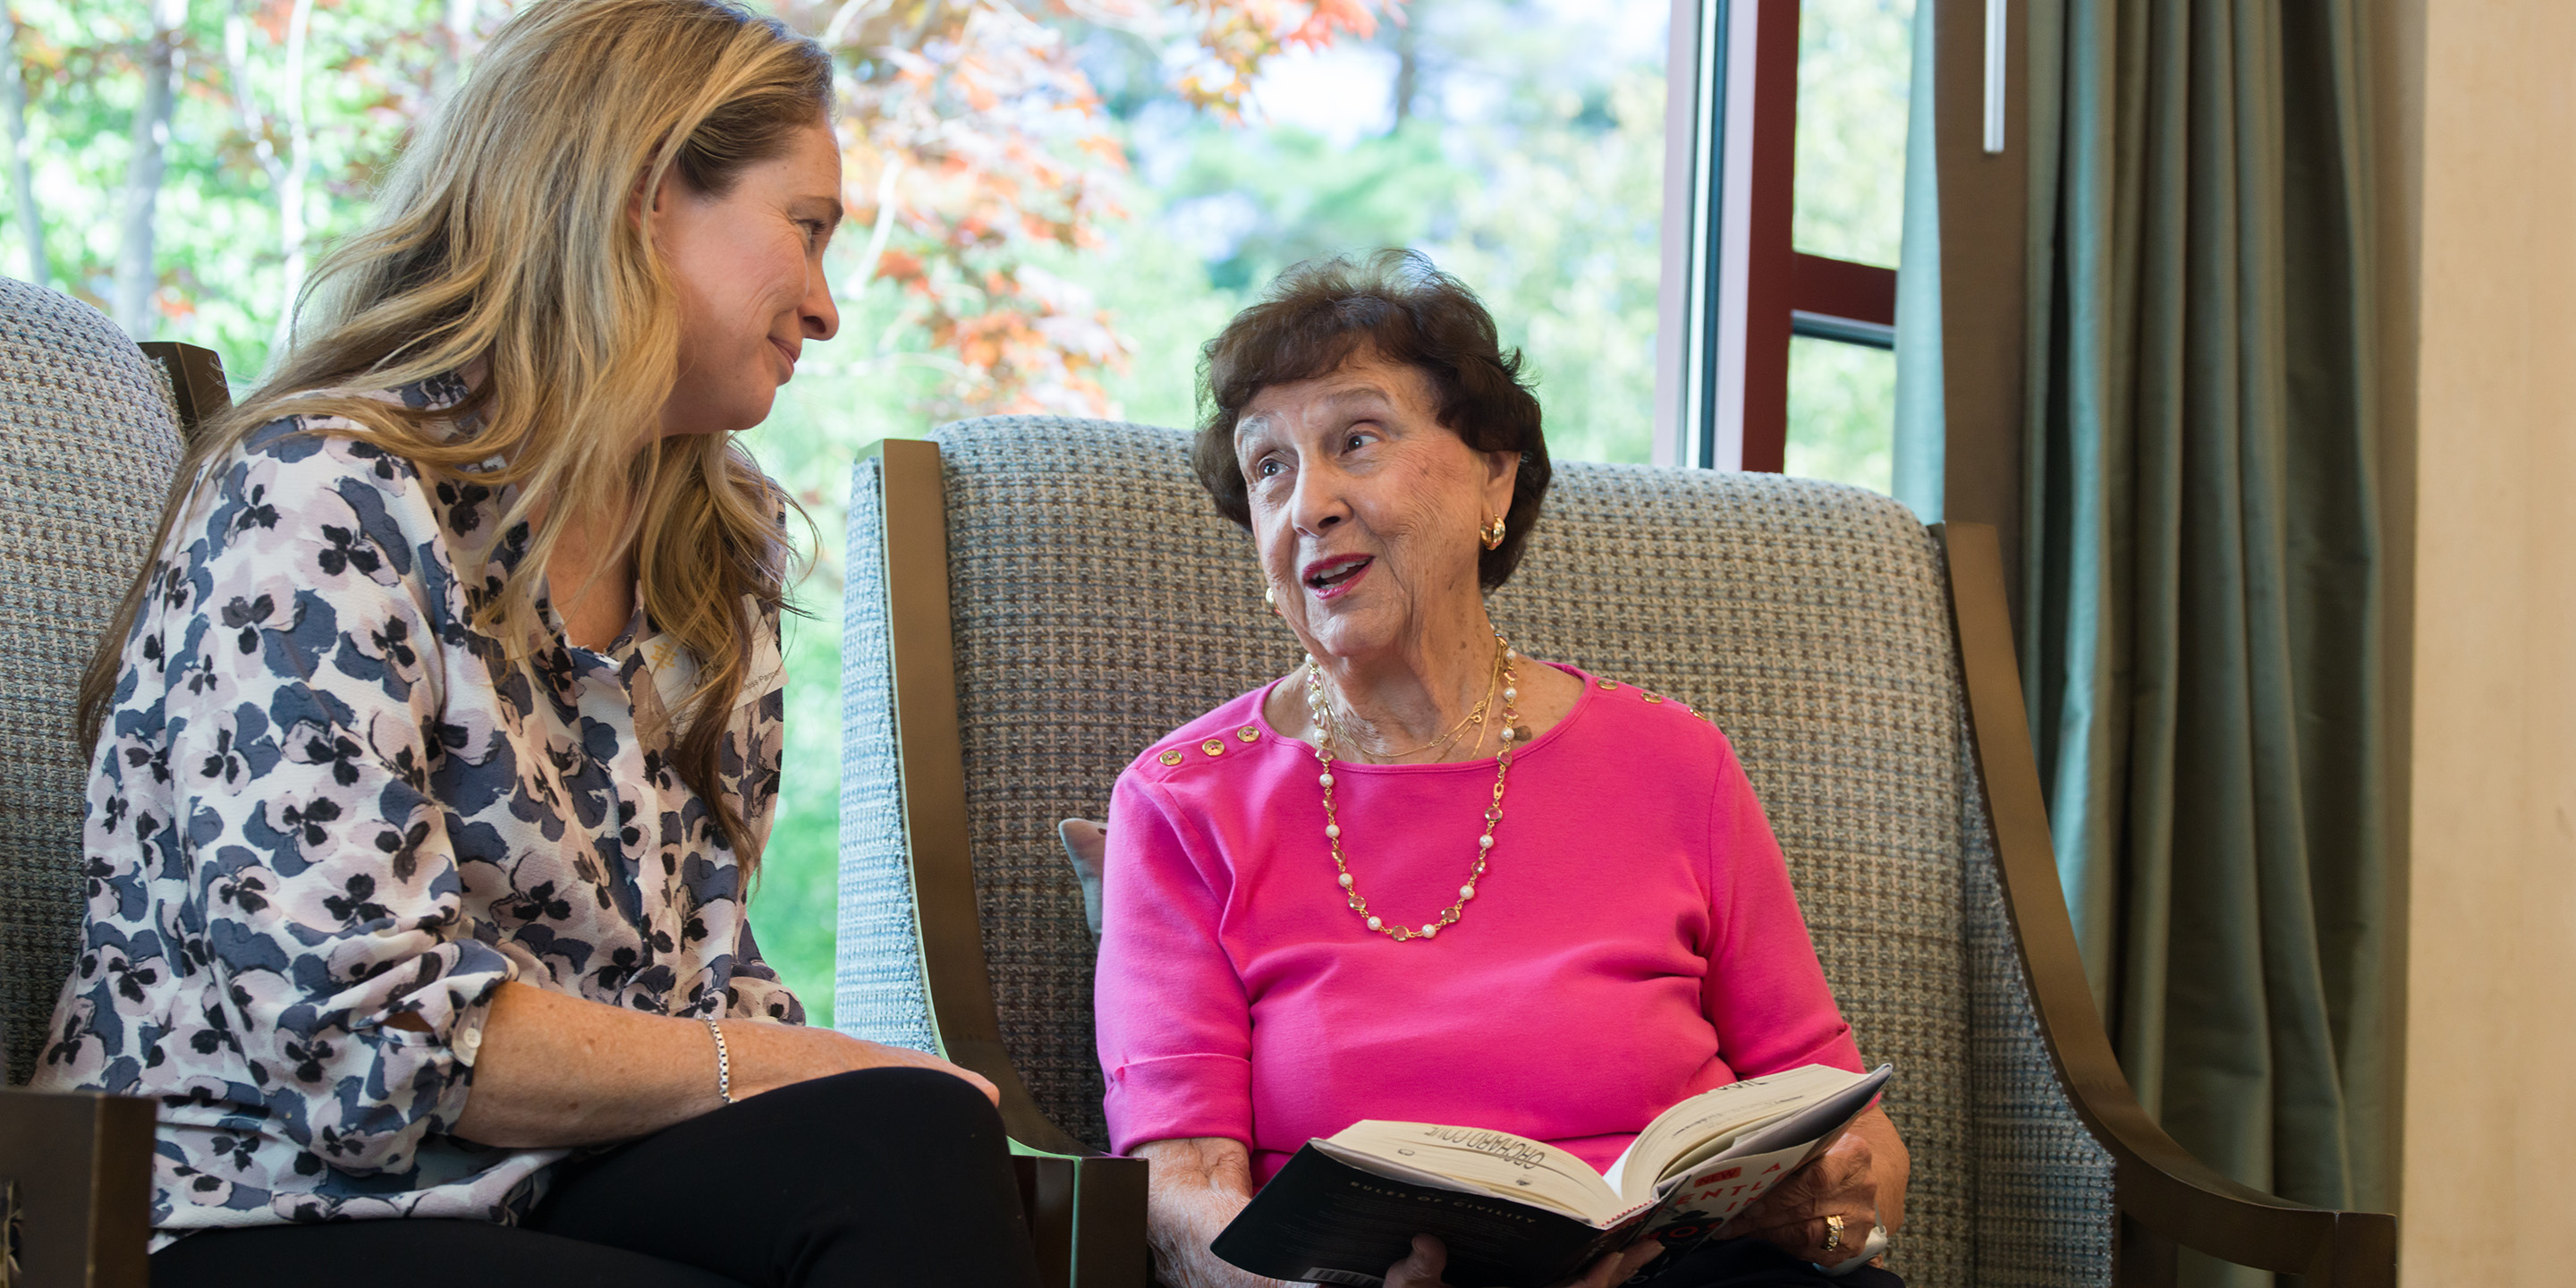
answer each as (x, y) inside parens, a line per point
(90, 428)
(1030, 601)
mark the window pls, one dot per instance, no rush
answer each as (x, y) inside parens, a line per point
(1519, 143)
(1786, 143)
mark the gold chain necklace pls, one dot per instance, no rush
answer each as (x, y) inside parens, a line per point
(1475, 716)
(1323, 717)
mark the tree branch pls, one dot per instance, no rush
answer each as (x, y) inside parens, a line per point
(137, 272)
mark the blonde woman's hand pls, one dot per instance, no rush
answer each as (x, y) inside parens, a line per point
(1430, 1260)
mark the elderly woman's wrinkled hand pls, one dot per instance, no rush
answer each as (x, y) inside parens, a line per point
(1431, 1258)
(1852, 1180)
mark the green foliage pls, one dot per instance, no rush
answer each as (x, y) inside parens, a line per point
(795, 898)
(370, 63)
(1547, 202)
(1842, 413)
(1855, 61)
(1854, 66)
(1562, 240)
(1310, 198)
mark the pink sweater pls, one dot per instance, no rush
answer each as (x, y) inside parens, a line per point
(1635, 941)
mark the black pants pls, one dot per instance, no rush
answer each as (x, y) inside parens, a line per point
(892, 1176)
(1751, 1263)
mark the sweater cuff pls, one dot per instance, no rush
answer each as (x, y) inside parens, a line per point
(1177, 1097)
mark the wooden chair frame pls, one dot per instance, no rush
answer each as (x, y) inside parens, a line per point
(2166, 1197)
(75, 1189)
(1088, 1209)
(197, 386)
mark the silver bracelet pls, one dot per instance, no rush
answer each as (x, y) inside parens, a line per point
(724, 1061)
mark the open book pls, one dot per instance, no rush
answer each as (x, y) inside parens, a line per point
(1516, 1213)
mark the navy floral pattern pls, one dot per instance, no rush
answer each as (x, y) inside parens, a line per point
(322, 801)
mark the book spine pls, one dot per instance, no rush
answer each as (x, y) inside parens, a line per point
(1323, 1221)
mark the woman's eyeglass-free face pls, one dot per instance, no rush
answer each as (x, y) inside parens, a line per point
(1365, 508)
(748, 266)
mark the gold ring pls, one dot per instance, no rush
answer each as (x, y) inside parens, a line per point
(1834, 1232)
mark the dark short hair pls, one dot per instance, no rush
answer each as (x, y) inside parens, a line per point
(1322, 313)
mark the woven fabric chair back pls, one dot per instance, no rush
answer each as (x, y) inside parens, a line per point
(88, 438)
(1098, 602)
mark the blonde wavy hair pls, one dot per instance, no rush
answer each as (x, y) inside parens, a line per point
(505, 239)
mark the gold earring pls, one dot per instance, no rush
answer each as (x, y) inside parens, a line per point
(1492, 534)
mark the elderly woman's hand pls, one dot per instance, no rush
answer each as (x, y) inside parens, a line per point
(1430, 1258)
(1861, 1179)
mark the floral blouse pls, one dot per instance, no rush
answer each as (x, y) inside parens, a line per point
(322, 800)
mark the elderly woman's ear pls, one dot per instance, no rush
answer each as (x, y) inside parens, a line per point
(1502, 473)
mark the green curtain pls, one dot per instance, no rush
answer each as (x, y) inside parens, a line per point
(2202, 624)
(1920, 454)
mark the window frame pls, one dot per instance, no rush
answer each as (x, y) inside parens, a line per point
(1734, 290)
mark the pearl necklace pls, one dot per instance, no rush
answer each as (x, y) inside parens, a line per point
(1323, 717)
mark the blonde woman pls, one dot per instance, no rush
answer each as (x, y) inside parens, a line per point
(435, 750)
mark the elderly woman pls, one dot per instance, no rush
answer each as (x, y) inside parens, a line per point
(434, 749)
(1423, 876)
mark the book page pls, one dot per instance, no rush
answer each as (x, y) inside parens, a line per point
(1706, 1124)
(1480, 1162)
(1709, 1197)
(1815, 1120)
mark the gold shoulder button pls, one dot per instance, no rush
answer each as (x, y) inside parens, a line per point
(1170, 757)
(1249, 733)
(1609, 684)
(1213, 746)
(1654, 697)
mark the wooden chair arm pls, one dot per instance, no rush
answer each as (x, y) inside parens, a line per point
(1087, 1218)
(2166, 1196)
(1086, 1209)
(197, 387)
(76, 1183)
